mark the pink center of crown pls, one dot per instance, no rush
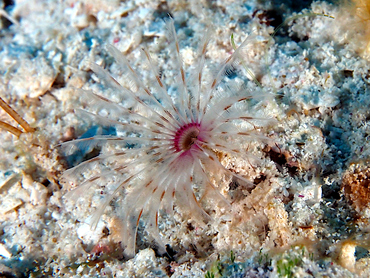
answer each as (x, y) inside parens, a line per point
(186, 136)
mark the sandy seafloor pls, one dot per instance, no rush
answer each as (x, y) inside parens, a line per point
(307, 215)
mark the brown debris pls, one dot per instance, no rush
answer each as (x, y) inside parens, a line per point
(356, 186)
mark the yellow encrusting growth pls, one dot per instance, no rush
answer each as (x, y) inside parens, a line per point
(362, 12)
(356, 19)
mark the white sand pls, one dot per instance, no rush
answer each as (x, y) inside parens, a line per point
(316, 70)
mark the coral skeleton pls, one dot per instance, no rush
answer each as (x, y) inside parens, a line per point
(167, 146)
